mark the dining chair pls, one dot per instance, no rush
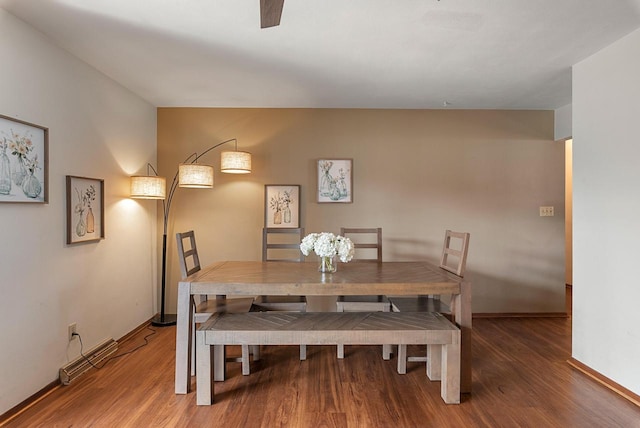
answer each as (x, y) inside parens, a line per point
(282, 245)
(453, 259)
(205, 307)
(367, 243)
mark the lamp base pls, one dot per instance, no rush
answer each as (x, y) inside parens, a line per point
(169, 319)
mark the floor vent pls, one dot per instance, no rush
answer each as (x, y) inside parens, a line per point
(71, 371)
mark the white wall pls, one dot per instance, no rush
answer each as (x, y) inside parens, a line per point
(562, 122)
(97, 129)
(606, 221)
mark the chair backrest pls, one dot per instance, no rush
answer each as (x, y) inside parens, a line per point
(282, 244)
(189, 260)
(459, 252)
(367, 243)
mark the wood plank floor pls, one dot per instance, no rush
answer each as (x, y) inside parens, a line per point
(520, 379)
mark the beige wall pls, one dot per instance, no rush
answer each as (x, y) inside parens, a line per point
(416, 173)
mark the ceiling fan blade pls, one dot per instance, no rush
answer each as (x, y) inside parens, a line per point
(270, 12)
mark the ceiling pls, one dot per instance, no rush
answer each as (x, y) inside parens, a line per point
(488, 54)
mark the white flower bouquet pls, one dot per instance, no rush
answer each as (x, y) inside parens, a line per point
(327, 246)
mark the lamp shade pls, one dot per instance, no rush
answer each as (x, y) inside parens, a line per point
(195, 175)
(235, 162)
(148, 187)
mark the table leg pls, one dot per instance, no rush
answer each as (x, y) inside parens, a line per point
(183, 338)
(402, 359)
(462, 316)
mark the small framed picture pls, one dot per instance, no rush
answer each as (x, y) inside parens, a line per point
(85, 209)
(24, 161)
(335, 180)
(282, 205)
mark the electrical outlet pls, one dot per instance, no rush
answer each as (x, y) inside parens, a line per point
(546, 211)
(72, 331)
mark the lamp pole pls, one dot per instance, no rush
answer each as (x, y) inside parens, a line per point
(165, 319)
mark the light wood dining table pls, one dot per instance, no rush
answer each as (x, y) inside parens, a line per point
(254, 278)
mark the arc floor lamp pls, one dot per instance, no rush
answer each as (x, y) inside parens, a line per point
(190, 174)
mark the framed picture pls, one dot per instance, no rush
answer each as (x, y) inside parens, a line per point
(282, 205)
(24, 161)
(335, 180)
(85, 209)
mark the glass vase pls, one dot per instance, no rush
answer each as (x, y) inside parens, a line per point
(342, 187)
(81, 227)
(328, 264)
(325, 183)
(19, 173)
(5, 173)
(334, 192)
(287, 214)
(31, 186)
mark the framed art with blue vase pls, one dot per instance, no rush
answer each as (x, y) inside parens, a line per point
(335, 180)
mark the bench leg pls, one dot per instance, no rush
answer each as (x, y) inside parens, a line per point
(386, 349)
(402, 359)
(386, 352)
(434, 362)
(450, 384)
(246, 366)
(340, 351)
(219, 360)
(303, 352)
(204, 385)
(255, 350)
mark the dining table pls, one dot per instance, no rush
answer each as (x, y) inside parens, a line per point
(257, 278)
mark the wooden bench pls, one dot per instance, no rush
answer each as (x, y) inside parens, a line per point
(328, 328)
(420, 304)
(205, 309)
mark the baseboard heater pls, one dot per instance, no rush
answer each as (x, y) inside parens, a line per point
(77, 367)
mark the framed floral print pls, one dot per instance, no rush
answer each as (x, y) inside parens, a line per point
(24, 153)
(85, 209)
(335, 180)
(282, 205)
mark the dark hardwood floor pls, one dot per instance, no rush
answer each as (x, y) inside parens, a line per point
(520, 379)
